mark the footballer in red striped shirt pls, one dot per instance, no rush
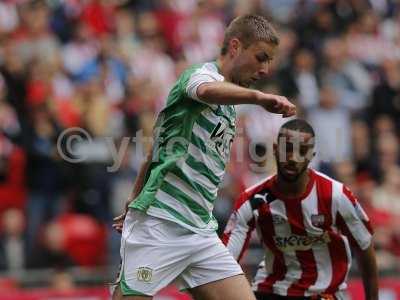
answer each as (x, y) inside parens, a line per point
(307, 223)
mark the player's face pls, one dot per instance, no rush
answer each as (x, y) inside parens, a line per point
(251, 63)
(293, 153)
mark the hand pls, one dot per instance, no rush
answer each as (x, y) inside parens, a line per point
(118, 222)
(277, 104)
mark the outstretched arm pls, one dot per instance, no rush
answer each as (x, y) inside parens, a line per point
(225, 93)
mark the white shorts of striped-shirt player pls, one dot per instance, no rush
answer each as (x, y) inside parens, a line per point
(157, 252)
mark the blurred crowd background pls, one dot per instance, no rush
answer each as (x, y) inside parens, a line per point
(107, 66)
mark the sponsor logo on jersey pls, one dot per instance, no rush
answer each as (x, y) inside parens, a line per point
(300, 242)
(144, 274)
(277, 219)
(317, 220)
(262, 197)
(222, 138)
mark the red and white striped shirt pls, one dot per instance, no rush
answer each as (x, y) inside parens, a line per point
(307, 239)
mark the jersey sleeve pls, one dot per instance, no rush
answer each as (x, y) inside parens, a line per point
(202, 75)
(241, 224)
(352, 220)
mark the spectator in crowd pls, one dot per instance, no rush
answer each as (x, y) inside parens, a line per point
(331, 122)
(51, 251)
(44, 171)
(388, 89)
(348, 77)
(13, 255)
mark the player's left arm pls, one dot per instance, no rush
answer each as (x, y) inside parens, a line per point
(354, 223)
(369, 272)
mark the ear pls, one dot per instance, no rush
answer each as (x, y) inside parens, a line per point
(234, 46)
(275, 149)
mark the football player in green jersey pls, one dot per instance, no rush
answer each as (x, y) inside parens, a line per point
(168, 230)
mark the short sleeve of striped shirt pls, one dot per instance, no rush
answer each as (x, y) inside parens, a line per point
(353, 221)
(208, 72)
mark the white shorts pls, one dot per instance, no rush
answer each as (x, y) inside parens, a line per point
(156, 252)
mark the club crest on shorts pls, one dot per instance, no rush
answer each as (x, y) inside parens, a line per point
(317, 220)
(144, 274)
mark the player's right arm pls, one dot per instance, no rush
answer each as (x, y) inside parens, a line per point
(226, 93)
(139, 183)
(369, 272)
(241, 224)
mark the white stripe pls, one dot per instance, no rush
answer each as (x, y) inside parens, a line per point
(261, 274)
(187, 189)
(211, 164)
(343, 285)
(362, 212)
(210, 116)
(201, 133)
(309, 207)
(180, 208)
(162, 214)
(265, 268)
(269, 258)
(205, 137)
(239, 233)
(321, 253)
(293, 267)
(204, 74)
(340, 295)
(197, 177)
(336, 196)
(353, 222)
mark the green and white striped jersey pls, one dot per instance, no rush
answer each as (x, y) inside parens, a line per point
(192, 142)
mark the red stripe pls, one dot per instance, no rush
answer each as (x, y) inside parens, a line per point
(225, 237)
(338, 254)
(336, 247)
(240, 201)
(306, 258)
(268, 232)
(349, 195)
(324, 194)
(342, 226)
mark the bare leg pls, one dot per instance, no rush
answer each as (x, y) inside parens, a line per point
(232, 288)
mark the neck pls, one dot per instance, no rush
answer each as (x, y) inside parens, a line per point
(293, 188)
(224, 67)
